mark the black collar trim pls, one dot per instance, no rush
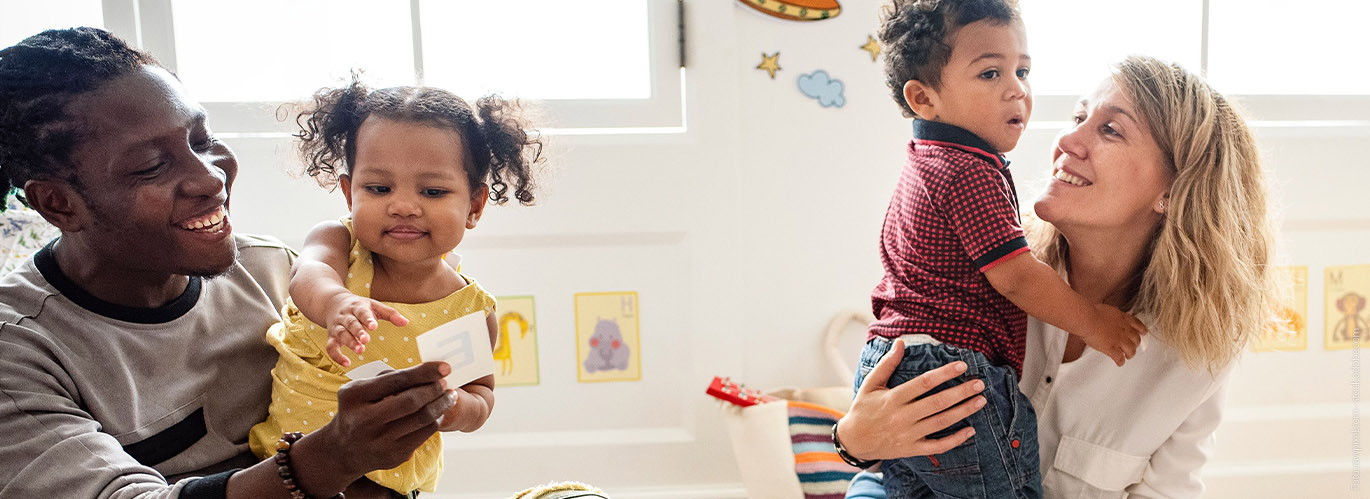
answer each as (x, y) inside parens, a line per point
(951, 135)
(46, 262)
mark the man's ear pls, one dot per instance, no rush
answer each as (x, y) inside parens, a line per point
(478, 200)
(922, 99)
(345, 183)
(58, 202)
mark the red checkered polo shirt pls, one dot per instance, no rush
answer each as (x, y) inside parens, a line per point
(953, 216)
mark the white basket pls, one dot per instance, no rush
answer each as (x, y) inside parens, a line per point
(760, 434)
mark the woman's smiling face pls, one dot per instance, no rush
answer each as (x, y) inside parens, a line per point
(1108, 172)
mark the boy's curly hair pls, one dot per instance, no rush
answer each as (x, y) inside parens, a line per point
(915, 37)
(501, 149)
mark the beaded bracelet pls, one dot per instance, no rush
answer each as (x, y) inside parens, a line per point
(286, 471)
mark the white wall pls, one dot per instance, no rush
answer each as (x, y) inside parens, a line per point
(746, 233)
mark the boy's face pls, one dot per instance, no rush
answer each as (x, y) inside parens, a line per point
(984, 85)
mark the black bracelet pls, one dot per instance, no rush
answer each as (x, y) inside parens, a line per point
(286, 471)
(846, 457)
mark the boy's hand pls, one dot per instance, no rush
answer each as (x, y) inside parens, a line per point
(349, 318)
(1114, 333)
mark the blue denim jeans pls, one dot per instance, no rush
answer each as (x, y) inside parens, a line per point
(999, 462)
(866, 485)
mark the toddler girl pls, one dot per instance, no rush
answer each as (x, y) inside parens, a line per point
(416, 166)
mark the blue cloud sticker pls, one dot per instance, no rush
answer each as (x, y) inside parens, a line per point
(817, 85)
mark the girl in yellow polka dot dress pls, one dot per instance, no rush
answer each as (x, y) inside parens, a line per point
(416, 166)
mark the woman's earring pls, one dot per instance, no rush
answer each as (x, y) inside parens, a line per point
(1162, 206)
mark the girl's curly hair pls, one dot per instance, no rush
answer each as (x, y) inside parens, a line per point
(915, 36)
(501, 149)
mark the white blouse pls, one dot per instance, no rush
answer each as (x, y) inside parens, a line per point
(1143, 430)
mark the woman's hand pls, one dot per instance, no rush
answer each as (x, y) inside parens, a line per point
(887, 423)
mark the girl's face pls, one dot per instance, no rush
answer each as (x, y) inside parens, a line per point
(1107, 171)
(408, 191)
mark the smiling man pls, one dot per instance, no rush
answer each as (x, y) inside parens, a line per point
(132, 352)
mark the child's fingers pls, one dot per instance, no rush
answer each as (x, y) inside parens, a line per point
(1129, 350)
(335, 352)
(358, 332)
(344, 334)
(366, 319)
(387, 313)
(1137, 324)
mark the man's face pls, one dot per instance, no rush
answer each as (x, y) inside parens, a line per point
(152, 177)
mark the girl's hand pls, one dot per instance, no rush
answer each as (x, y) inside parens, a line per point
(468, 414)
(887, 423)
(349, 318)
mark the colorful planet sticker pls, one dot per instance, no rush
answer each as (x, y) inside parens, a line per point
(797, 10)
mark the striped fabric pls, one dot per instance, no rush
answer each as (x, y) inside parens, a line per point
(822, 474)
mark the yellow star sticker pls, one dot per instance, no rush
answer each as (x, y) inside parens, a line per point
(770, 63)
(871, 46)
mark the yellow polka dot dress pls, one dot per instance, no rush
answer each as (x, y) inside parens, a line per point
(305, 380)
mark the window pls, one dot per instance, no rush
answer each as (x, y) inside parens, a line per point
(585, 64)
(601, 54)
(273, 51)
(19, 23)
(1286, 64)
(1073, 42)
(1271, 47)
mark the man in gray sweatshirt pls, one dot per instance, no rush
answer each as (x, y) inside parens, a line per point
(132, 351)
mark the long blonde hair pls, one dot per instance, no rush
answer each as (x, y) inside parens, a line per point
(1209, 282)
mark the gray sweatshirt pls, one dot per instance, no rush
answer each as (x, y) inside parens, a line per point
(103, 401)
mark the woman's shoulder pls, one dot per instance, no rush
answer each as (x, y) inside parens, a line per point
(1164, 355)
(1157, 362)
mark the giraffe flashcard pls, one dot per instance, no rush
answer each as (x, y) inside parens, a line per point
(1347, 320)
(607, 346)
(516, 349)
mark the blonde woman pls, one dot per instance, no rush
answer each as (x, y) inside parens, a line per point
(1157, 206)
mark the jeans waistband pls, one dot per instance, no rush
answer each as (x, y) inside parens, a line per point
(976, 362)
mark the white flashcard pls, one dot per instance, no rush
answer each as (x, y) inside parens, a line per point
(464, 344)
(369, 370)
